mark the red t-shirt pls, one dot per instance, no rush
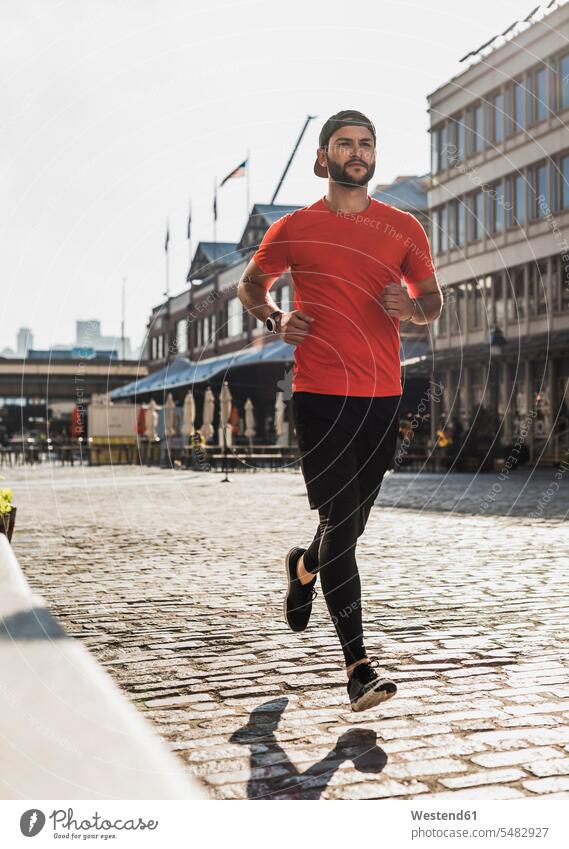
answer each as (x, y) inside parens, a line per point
(339, 263)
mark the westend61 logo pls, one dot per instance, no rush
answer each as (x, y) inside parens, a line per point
(32, 822)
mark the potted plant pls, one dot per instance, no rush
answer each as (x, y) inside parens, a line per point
(7, 513)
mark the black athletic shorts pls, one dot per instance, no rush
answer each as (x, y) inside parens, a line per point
(346, 443)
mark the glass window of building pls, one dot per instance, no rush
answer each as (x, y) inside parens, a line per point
(234, 317)
(519, 106)
(509, 296)
(495, 208)
(199, 327)
(520, 199)
(556, 283)
(537, 95)
(475, 216)
(181, 336)
(564, 82)
(153, 348)
(160, 347)
(519, 293)
(474, 137)
(499, 307)
(206, 329)
(442, 148)
(212, 323)
(452, 224)
(562, 182)
(515, 118)
(538, 287)
(496, 118)
(456, 139)
(538, 202)
(460, 223)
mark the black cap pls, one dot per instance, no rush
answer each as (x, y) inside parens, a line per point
(347, 117)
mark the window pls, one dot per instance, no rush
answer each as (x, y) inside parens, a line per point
(515, 118)
(452, 224)
(181, 336)
(234, 317)
(538, 287)
(441, 233)
(456, 139)
(442, 148)
(519, 290)
(537, 95)
(160, 354)
(520, 199)
(539, 203)
(460, 224)
(475, 216)
(456, 224)
(212, 320)
(561, 178)
(496, 118)
(153, 348)
(474, 137)
(499, 311)
(496, 208)
(556, 283)
(206, 329)
(564, 82)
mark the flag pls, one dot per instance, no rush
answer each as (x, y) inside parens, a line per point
(167, 237)
(190, 222)
(237, 172)
(215, 205)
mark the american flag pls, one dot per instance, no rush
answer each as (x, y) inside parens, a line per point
(237, 172)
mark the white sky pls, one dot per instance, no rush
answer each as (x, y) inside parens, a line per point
(113, 113)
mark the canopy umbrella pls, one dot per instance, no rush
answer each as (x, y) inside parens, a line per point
(224, 411)
(141, 422)
(169, 408)
(250, 430)
(189, 414)
(208, 413)
(152, 421)
(280, 415)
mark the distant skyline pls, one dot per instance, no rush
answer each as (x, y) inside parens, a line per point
(113, 115)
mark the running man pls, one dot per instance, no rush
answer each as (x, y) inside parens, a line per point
(348, 255)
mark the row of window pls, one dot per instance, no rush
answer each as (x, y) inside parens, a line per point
(507, 203)
(231, 320)
(506, 298)
(513, 108)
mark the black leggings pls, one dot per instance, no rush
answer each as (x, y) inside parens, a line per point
(347, 444)
(332, 553)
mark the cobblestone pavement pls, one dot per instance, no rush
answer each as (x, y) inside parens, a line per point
(174, 580)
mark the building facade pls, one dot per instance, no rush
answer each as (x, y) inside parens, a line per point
(499, 201)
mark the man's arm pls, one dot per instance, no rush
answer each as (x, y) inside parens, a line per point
(423, 309)
(253, 292)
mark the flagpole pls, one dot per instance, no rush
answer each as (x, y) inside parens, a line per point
(247, 169)
(123, 317)
(167, 258)
(189, 234)
(214, 212)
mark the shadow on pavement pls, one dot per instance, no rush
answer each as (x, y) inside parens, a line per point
(274, 776)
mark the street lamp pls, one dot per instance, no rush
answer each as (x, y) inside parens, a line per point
(496, 342)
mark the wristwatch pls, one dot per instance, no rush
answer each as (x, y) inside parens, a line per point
(271, 321)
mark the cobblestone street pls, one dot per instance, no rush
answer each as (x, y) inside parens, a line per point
(174, 580)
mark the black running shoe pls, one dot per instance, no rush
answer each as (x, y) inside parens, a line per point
(298, 599)
(366, 689)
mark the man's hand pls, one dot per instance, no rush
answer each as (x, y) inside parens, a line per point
(396, 301)
(293, 327)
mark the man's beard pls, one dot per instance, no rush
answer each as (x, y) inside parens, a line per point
(339, 175)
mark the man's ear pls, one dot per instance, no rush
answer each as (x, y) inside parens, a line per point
(322, 156)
